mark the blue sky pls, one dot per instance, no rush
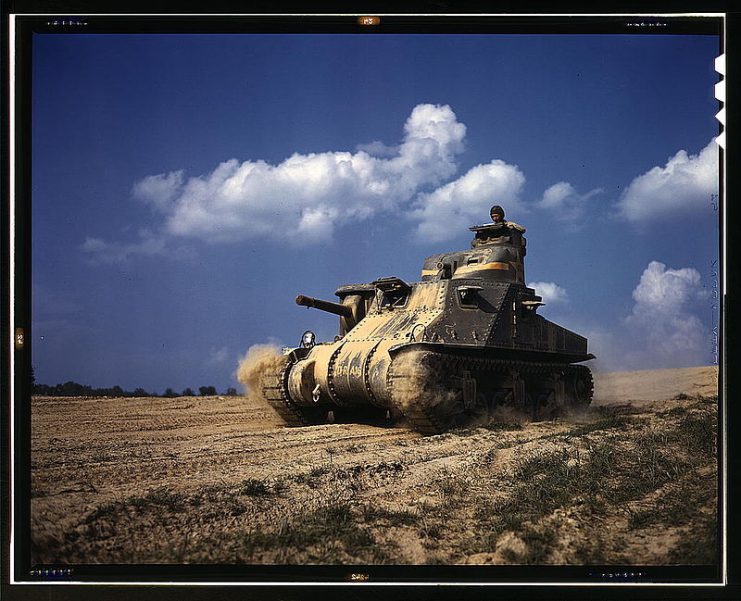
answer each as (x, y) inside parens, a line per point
(187, 187)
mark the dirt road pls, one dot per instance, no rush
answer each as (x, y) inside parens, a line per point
(633, 480)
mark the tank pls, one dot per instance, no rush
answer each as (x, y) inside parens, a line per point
(443, 352)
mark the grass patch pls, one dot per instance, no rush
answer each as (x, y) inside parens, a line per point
(679, 506)
(105, 510)
(593, 479)
(319, 471)
(329, 534)
(383, 469)
(354, 477)
(453, 490)
(449, 486)
(373, 514)
(674, 412)
(314, 475)
(160, 497)
(253, 487)
(548, 481)
(699, 432)
(645, 467)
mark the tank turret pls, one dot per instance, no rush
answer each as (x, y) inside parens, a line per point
(464, 340)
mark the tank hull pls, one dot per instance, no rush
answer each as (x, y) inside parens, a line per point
(435, 386)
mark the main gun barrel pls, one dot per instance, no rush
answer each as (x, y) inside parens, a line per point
(336, 308)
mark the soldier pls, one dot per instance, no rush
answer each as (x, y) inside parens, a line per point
(497, 216)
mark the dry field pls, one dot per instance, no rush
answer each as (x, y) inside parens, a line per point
(633, 480)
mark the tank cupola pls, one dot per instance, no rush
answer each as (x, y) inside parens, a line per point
(497, 254)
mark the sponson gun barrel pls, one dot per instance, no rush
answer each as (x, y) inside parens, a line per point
(336, 308)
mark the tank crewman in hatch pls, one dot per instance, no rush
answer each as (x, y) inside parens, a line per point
(497, 216)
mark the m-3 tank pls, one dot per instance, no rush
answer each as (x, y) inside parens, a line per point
(442, 352)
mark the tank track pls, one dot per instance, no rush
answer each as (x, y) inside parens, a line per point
(426, 420)
(273, 391)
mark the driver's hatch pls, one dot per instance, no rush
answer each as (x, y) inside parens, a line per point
(393, 292)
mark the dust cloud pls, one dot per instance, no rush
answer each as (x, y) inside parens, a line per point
(260, 360)
(504, 414)
(417, 384)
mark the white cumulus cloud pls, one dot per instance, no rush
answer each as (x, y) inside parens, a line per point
(378, 149)
(551, 292)
(101, 251)
(311, 192)
(442, 214)
(663, 329)
(159, 190)
(146, 244)
(684, 184)
(217, 356)
(566, 203)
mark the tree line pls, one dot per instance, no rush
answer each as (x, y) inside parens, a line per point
(74, 389)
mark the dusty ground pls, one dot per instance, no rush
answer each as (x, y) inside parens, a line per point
(633, 480)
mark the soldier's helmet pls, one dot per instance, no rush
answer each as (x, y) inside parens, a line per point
(496, 209)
